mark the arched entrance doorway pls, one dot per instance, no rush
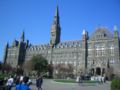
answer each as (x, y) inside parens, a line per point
(98, 71)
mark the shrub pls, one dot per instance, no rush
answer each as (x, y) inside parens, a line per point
(115, 85)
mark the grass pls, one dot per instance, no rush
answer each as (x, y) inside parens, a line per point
(65, 81)
(73, 81)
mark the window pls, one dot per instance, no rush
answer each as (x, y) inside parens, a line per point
(111, 50)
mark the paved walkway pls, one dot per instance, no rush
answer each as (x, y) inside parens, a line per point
(51, 85)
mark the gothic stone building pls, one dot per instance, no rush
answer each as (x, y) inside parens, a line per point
(97, 52)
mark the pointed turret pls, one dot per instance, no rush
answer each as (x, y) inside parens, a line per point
(6, 52)
(115, 28)
(85, 50)
(116, 31)
(22, 37)
(85, 34)
(7, 45)
(55, 30)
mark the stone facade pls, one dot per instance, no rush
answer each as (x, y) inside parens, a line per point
(95, 53)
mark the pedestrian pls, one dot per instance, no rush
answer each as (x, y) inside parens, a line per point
(23, 85)
(17, 80)
(29, 82)
(80, 79)
(39, 82)
(77, 79)
(9, 83)
(21, 78)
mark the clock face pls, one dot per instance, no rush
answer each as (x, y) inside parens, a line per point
(53, 30)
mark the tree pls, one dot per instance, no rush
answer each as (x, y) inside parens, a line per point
(115, 85)
(50, 70)
(28, 66)
(0, 66)
(19, 70)
(109, 73)
(64, 70)
(37, 63)
(6, 67)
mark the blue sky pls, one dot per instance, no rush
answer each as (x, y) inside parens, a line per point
(35, 17)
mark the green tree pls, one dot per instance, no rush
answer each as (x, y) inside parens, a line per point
(64, 71)
(6, 67)
(19, 71)
(0, 66)
(115, 85)
(28, 66)
(40, 64)
(50, 70)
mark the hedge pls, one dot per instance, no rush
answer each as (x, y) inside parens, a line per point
(115, 85)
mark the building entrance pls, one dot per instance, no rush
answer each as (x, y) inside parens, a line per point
(98, 71)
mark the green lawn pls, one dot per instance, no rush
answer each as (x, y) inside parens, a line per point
(73, 81)
(65, 81)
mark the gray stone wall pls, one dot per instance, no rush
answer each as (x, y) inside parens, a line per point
(102, 47)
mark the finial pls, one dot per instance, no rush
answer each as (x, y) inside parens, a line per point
(23, 36)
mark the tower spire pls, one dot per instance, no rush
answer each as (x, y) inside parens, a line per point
(56, 17)
(57, 11)
(55, 30)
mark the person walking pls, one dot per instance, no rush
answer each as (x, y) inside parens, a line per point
(39, 82)
(23, 85)
(9, 83)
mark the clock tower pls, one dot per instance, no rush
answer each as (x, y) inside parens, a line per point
(55, 29)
